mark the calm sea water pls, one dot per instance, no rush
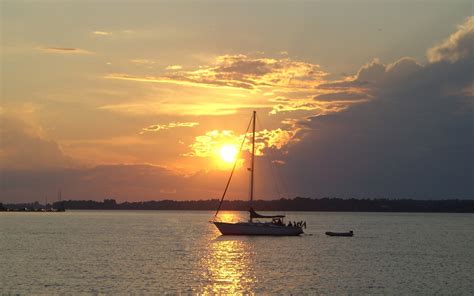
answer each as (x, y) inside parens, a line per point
(154, 252)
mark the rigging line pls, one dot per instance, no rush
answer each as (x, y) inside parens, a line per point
(233, 169)
(271, 165)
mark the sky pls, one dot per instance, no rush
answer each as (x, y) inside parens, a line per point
(148, 100)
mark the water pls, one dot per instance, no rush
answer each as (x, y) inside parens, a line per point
(155, 252)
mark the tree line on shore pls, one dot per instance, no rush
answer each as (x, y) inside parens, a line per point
(283, 204)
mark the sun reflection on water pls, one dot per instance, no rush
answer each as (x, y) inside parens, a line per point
(228, 267)
(230, 217)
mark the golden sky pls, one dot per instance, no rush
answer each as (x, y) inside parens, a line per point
(161, 93)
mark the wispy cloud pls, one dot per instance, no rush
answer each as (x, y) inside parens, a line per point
(267, 79)
(196, 109)
(146, 62)
(316, 107)
(241, 71)
(159, 127)
(63, 50)
(174, 67)
(101, 33)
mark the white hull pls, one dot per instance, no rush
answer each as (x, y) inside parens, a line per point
(247, 228)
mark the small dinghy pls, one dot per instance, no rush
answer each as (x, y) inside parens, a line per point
(330, 233)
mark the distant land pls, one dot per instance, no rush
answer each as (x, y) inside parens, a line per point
(295, 204)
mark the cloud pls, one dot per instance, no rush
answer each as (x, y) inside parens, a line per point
(413, 138)
(24, 147)
(63, 50)
(158, 127)
(265, 79)
(129, 182)
(342, 97)
(184, 108)
(391, 130)
(208, 145)
(459, 45)
(101, 33)
(241, 71)
(137, 182)
(319, 107)
(174, 67)
(371, 76)
(146, 62)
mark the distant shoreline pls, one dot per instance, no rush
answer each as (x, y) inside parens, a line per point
(298, 204)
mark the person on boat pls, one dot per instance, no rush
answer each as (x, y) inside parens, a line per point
(289, 224)
(304, 224)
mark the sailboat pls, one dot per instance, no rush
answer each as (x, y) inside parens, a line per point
(273, 225)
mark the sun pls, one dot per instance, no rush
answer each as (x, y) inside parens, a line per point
(228, 153)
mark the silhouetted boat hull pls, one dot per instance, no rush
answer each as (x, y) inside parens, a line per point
(250, 228)
(330, 233)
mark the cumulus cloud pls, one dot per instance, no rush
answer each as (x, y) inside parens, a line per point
(413, 138)
(23, 147)
(459, 45)
(370, 77)
(159, 127)
(208, 145)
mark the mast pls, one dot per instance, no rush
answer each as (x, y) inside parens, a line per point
(253, 161)
(233, 168)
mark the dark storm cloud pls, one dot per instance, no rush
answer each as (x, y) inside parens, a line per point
(413, 139)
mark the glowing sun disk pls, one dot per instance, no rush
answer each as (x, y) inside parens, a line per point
(228, 153)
